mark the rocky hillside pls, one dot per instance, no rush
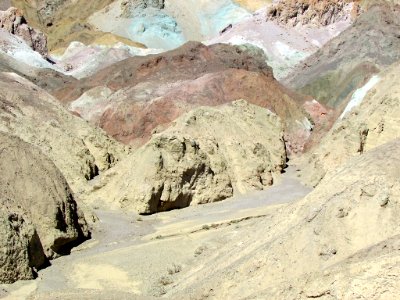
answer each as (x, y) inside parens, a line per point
(62, 20)
(13, 21)
(38, 213)
(80, 151)
(290, 31)
(132, 98)
(207, 155)
(157, 24)
(371, 122)
(323, 246)
(348, 61)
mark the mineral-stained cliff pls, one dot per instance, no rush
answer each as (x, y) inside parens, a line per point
(132, 98)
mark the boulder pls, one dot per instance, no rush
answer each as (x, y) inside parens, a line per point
(22, 252)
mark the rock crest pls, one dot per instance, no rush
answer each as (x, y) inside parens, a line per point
(313, 12)
(13, 21)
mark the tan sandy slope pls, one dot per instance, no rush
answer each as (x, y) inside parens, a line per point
(78, 150)
(338, 242)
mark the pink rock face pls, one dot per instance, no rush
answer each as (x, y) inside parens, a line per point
(323, 118)
(14, 22)
(317, 111)
(132, 117)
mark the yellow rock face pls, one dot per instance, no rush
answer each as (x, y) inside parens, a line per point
(253, 5)
(109, 39)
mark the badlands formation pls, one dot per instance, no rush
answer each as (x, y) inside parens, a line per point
(181, 149)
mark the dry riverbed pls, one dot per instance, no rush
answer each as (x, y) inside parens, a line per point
(140, 257)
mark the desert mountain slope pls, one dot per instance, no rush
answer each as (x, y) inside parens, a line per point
(157, 24)
(62, 20)
(285, 45)
(24, 50)
(168, 24)
(149, 141)
(18, 57)
(373, 122)
(348, 61)
(80, 60)
(13, 21)
(39, 216)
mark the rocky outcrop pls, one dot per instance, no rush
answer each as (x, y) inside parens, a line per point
(129, 7)
(80, 61)
(39, 217)
(207, 155)
(14, 22)
(285, 46)
(80, 151)
(374, 122)
(22, 252)
(347, 62)
(64, 21)
(17, 57)
(312, 12)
